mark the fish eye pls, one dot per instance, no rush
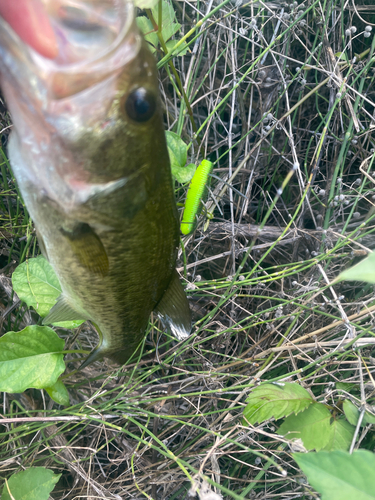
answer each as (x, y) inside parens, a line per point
(140, 105)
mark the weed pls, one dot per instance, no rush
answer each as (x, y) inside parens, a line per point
(280, 98)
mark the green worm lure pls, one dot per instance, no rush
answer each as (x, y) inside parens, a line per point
(196, 193)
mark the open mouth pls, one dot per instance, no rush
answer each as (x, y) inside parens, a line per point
(65, 43)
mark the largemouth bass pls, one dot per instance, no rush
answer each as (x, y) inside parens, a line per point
(89, 154)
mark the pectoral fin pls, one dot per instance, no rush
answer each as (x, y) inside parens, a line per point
(61, 311)
(173, 309)
(102, 350)
(88, 248)
(120, 356)
(94, 355)
(41, 243)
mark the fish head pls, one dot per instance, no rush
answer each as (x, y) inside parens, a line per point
(91, 116)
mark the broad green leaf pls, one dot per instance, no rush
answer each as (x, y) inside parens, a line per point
(177, 150)
(337, 475)
(35, 282)
(352, 414)
(342, 56)
(341, 435)
(35, 483)
(184, 174)
(182, 50)
(59, 393)
(277, 401)
(145, 4)
(168, 27)
(311, 425)
(145, 25)
(30, 359)
(368, 418)
(345, 386)
(363, 271)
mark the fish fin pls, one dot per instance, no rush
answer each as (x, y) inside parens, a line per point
(61, 311)
(41, 243)
(117, 353)
(88, 248)
(173, 309)
(120, 356)
(97, 354)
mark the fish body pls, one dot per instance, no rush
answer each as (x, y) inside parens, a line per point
(89, 154)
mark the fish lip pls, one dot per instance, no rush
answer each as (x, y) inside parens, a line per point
(50, 79)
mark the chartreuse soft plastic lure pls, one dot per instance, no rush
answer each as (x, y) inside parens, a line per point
(196, 193)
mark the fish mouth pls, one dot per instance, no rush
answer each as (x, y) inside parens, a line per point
(94, 40)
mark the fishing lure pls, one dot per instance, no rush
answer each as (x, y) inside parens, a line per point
(196, 193)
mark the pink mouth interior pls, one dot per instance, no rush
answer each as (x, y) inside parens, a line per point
(67, 31)
(58, 48)
(30, 21)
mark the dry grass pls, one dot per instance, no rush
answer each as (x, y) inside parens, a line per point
(300, 158)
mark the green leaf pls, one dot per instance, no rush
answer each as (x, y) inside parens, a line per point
(311, 425)
(341, 435)
(363, 271)
(342, 56)
(276, 400)
(337, 475)
(185, 174)
(35, 483)
(352, 414)
(177, 150)
(30, 359)
(145, 4)
(345, 386)
(145, 25)
(182, 50)
(36, 283)
(59, 393)
(368, 418)
(168, 27)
